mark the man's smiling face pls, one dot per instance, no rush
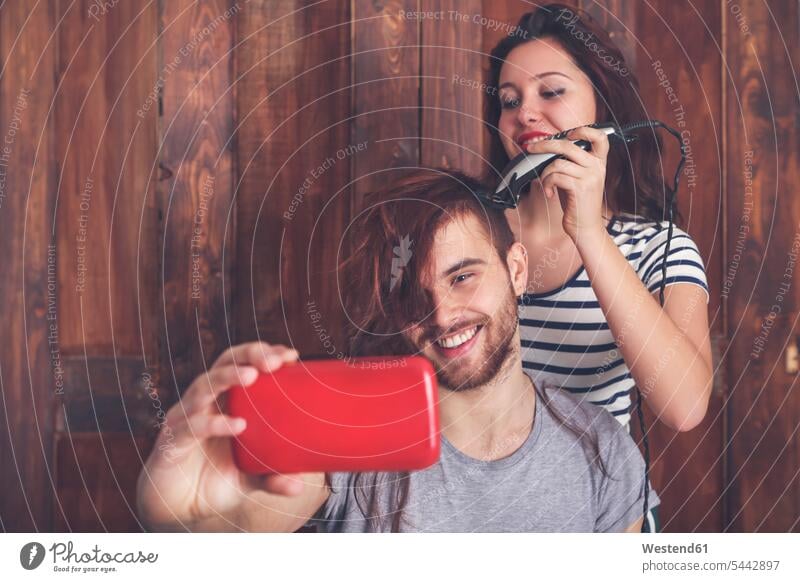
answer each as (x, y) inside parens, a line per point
(471, 331)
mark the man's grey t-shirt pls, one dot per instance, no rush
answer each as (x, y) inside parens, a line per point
(552, 483)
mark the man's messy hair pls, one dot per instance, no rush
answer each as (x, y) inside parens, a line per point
(390, 244)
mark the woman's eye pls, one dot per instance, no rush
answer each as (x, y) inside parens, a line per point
(461, 278)
(553, 94)
(510, 103)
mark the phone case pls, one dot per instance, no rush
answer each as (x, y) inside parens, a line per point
(364, 414)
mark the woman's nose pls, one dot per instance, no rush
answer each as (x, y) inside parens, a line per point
(528, 114)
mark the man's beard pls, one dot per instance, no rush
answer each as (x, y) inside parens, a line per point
(499, 332)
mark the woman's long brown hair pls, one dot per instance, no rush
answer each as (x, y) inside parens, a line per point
(634, 178)
(380, 283)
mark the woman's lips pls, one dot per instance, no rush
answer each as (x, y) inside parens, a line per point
(532, 137)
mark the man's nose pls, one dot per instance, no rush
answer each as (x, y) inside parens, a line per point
(447, 312)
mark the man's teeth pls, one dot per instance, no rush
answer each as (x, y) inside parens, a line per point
(457, 340)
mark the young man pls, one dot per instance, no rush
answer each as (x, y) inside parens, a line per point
(513, 457)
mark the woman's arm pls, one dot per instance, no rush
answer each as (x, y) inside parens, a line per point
(667, 350)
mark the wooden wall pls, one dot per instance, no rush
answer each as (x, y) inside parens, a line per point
(762, 145)
(180, 175)
(28, 286)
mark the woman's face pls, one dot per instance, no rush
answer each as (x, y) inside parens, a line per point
(541, 92)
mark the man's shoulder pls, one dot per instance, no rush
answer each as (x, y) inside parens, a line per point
(579, 412)
(577, 417)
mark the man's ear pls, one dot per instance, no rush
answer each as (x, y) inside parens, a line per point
(517, 261)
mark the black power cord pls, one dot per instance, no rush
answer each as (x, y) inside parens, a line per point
(670, 212)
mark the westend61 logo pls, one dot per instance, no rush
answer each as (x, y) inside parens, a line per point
(65, 559)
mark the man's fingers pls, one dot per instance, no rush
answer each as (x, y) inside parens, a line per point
(180, 436)
(261, 355)
(203, 426)
(208, 386)
(283, 485)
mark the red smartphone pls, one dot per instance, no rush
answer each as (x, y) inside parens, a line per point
(362, 414)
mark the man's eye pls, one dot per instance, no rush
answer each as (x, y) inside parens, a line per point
(461, 278)
(553, 94)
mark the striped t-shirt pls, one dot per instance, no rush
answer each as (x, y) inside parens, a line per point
(566, 341)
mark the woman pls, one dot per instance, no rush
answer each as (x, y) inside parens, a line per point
(594, 228)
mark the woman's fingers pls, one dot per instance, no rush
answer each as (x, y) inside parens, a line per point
(575, 154)
(566, 148)
(261, 355)
(558, 180)
(598, 139)
(563, 168)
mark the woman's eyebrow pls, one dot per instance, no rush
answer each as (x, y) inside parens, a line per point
(535, 78)
(549, 73)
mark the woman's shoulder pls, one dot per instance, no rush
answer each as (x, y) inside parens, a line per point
(632, 229)
(644, 243)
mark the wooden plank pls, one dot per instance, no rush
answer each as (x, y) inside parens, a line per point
(764, 472)
(106, 147)
(294, 154)
(620, 18)
(195, 192)
(29, 361)
(107, 233)
(111, 394)
(677, 51)
(96, 478)
(453, 86)
(385, 106)
(508, 11)
(763, 240)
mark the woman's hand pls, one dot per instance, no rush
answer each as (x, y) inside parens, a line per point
(191, 476)
(579, 180)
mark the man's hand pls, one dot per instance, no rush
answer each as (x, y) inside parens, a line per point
(191, 481)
